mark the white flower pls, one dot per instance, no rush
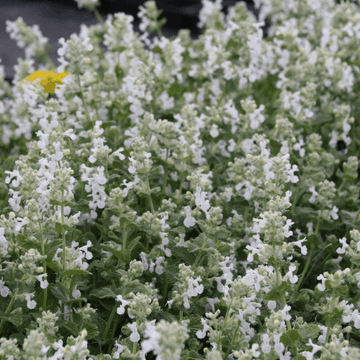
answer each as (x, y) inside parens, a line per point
(120, 349)
(4, 290)
(43, 283)
(121, 309)
(265, 345)
(201, 334)
(302, 247)
(135, 336)
(193, 292)
(118, 153)
(321, 286)
(200, 201)
(314, 193)
(31, 304)
(214, 132)
(152, 343)
(293, 278)
(271, 305)
(76, 293)
(189, 220)
(334, 214)
(344, 246)
(288, 233)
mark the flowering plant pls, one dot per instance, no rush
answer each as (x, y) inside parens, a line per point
(180, 198)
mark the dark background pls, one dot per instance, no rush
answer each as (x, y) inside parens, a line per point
(61, 18)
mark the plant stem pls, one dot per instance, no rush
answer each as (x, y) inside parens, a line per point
(82, 98)
(109, 322)
(328, 321)
(149, 195)
(180, 188)
(165, 172)
(302, 274)
(232, 340)
(8, 309)
(124, 245)
(44, 265)
(295, 200)
(165, 290)
(199, 253)
(98, 16)
(63, 234)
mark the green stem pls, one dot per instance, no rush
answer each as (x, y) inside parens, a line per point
(232, 340)
(165, 172)
(302, 275)
(181, 316)
(295, 200)
(199, 253)
(113, 332)
(149, 195)
(246, 214)
(63, 310)
(328, 321)
(357, 215)
(227, 314)
(8, 309)
(107, 327)
(341, 185)
(180, 188)
(98, 16)
(165, 290)
(134, 348)
(124, 245)
(50, 63)
(317, 226)
(287, 321)
(44, 265)
(63, 234)
(82, 98)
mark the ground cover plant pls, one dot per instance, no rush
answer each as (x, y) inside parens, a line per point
(184, 199)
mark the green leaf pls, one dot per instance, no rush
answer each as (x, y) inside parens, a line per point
(275, 146)
(189, 355)
(61, 203)
(174, 89)
(119, 254)
(342, 289)
(15, 317)
(102, 293)
(59, 291)
(59, 228)
(309, 331)
(53, 266)
(291, 338)
(92, 331)
(277, 292)
(77, 272)
(72, 327)
(131, 246)
(312, 240)
(9, 164)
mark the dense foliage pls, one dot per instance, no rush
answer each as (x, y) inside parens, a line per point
(184, 199)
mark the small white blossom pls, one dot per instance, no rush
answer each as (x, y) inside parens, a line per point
(344, 246)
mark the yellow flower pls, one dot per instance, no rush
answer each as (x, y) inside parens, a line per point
(48, 79)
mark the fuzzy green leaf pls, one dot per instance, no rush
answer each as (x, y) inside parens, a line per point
(291, 338)
(76, 272)
(102, 293)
